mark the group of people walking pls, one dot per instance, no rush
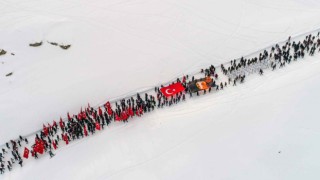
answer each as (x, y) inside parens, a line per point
(90, 120)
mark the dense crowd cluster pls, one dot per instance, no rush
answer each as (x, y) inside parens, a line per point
(90, 120)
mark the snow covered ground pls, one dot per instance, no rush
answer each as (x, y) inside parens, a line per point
(266, 128)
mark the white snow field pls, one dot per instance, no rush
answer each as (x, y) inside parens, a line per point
(267, 128)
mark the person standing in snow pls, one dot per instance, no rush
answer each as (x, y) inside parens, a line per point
(9, 167)
(20, 162)
(1, 170)
(51, 154)
(261, 72)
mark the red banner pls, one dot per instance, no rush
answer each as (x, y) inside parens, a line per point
(85, 131)
(98, 126)
(39, 146)
(54, 144)
(26, 153)
(65, 138)
(172, 89)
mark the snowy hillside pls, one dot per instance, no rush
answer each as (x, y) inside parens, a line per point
(265, 129)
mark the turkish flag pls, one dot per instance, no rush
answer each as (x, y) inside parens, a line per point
(61, 123)
(69, 118)
(110, 111)
(124, 116)
(65, 138)
(141, 111)
(39, 147)
(172, 89)
(100, 112)
(35, 148)
(54, 144)
(54, 123)
(118, 118)
(94, 115)
(108, 105)
(45, 130)
(85, 131)
(79, 116)
(84, 116)
(98, 126)
(130, 112)
(26, 153)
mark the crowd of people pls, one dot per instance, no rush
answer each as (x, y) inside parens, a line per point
(90, 120)
(277, 56)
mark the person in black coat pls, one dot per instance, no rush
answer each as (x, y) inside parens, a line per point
(20, 162)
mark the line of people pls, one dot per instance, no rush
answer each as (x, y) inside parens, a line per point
(277, 56)
(90, 120)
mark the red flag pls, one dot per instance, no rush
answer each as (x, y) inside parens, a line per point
(35, 148)
(79, 116)
(98, 126)
(110, 112)
(39, 146)
(85, 131)
(141, 111)
(69, 118)
(100, 112)
(45, 130)
(26, 153)
(131, 112)
(61, 123)
(54, 123)
(172, 89)
(40, 149)
(94, 115)
(54, 144)
(108, 105)
(84, 116)
(117, 117)
(124, 115)
(65, 138)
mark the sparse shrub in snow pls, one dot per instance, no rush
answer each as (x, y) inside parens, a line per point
(2, 52)
(53, 43)
(9, 74)
(36, 44)
(65, 46)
